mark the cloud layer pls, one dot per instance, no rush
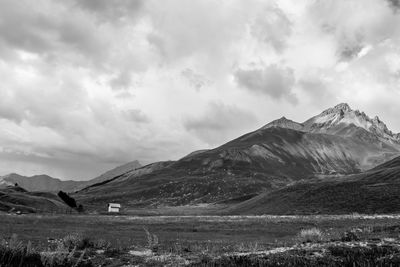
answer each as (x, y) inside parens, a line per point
(90, 84)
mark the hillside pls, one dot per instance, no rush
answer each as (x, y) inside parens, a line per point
(42, 183)
(45, 183)
(268, 159)
(15, 198)
(373, 191)
(117, 171)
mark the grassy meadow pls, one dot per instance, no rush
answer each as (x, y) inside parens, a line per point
(106, 240)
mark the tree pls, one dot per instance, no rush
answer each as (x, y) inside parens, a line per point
(67, 199)
(80, 208)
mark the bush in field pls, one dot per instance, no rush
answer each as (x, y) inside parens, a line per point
(14, 253)
(65, 259)
(310, 235)
(152, 240)
(101, 244)
(76, 241)
(350, 236)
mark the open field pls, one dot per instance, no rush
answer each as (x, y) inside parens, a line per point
(128, 230)
(195, 237)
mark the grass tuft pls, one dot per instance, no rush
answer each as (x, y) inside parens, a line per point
(311, 235)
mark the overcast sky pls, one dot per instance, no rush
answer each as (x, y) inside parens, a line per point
(87, 85)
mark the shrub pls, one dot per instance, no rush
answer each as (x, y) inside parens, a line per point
(310, 235)
(152, 240)
(101, 244)
(77, 241)
(65, 259)
(14, 253)
(350, 236)
(113, 252)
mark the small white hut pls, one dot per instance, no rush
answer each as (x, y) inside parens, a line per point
(114, 207)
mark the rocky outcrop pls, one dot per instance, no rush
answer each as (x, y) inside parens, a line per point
(342, 120)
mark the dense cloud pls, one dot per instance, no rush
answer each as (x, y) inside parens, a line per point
(272, 80)
(394, 3)
(220, 122)
(90, 84)
(273, 27)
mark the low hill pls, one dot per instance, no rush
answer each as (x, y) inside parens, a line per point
(45, 183)
(40, 183)
(373, 191)
(15, 198)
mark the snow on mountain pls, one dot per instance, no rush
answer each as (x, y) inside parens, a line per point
(335, 120)
(344, 121)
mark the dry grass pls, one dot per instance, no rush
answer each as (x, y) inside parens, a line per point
(168, 239)
(312, 235)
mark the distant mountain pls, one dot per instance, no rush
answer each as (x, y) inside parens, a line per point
(373, 191)
(43, 183)
(337, 141)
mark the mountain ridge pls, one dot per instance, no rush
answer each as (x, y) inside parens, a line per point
(42, 182)
(46, 183)
(272, 157)
(334, 120)
(280, 156)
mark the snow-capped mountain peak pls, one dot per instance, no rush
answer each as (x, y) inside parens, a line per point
(341, 120)
(335, 120)
(340, 108)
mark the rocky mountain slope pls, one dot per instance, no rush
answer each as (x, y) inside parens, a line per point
(373, 191)
(342, 120)
(337, 141)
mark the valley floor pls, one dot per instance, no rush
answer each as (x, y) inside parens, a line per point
(185, 240)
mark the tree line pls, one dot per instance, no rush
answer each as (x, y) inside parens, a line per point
(70, 201)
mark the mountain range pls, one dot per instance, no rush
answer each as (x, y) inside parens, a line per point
(45, 183)
(338, 142)
(338, 161)
(39, 183)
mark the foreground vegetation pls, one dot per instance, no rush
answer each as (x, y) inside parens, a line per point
(199, 241)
